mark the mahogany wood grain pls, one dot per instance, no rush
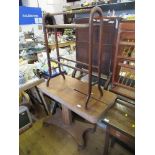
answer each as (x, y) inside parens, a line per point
(71, 93)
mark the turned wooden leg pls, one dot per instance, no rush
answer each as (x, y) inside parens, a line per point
(106, 143)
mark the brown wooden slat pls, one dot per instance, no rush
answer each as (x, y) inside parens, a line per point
(68, 26)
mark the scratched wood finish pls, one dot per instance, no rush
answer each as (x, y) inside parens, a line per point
(64, 92)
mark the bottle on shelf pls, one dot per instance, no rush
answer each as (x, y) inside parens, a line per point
(129, 51)
(133, 53)
(124, 53)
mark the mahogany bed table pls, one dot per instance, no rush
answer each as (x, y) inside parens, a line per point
(71, 94)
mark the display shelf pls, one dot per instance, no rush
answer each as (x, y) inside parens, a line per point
(126, 65)
(127, 43)
(123, 79)
(126, 58)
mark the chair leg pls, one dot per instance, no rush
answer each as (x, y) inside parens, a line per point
(113, 140)
(106, 143)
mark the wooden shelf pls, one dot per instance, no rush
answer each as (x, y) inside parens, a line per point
(126, 65)
(127, 43)
(126, 58)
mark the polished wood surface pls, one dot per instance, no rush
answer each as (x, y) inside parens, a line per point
(122, 118)
(72, 94)
(120, 123)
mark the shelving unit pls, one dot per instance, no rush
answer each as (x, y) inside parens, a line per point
(123, 79)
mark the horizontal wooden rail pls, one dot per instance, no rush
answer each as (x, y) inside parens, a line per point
(70, 12)
(79, 62)
(68, 26)
(78, 69)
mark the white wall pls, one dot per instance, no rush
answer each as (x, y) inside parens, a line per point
(52, 6)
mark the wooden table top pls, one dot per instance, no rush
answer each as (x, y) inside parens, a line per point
(122, 118)
(71, 93)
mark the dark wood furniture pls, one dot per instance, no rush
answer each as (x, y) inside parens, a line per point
(93, 12)
(123, 79)
(88, 101)
(109, 34)
(120, 123)
(120, 119)
(71, 94)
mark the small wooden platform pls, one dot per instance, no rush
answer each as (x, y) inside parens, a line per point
(72, 94)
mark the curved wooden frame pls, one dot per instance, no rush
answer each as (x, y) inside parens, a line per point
(93, 11)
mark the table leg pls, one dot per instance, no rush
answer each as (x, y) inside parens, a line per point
(43, 101)
(66, 115)
(106, 143)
